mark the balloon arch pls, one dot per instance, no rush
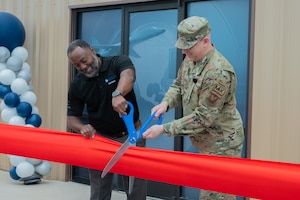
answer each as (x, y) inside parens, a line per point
(17, 95)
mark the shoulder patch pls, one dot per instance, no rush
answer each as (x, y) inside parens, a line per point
(213, 98)
(218, 90)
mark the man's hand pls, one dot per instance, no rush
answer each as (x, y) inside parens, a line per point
(160, 109)
(87, 131)
(119, 104)
(154, 131)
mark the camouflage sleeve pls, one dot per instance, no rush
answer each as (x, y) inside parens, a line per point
(173, 95)
(215, 90)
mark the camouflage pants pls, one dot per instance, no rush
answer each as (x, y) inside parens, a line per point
(216, 144)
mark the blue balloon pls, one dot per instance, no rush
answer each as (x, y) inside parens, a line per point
(13, 173)
(12, 32)
(24, 109)
(34, 119)
(4, 90)
(11, 99)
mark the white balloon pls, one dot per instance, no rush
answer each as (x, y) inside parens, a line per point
(30, 88)
(15, 160)
(28, 97)
(19, 86)
(35, 110)
(25, 169)
(17, 120)
(2, 66)
(7, 76)
(3, 105)
(8, 113)
(26, 66)
(24, 74)
(44, 168)
(4, 54)
(29, 125)
(34, 161)
(14, 63)
(20, 52)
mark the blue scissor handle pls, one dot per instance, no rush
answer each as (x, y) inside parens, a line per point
(144, 127)
(128, 119)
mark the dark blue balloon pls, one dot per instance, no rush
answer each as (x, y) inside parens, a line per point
(34, 119)
(11, 99)
(12, 32)
(4, 89)
(13, 173)
(24, 109)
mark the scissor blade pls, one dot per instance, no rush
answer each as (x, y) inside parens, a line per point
(130, 185)
(116, 157)
(131, 178)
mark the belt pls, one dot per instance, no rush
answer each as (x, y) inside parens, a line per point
(137, 124)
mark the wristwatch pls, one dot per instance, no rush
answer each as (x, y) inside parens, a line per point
(116, 93)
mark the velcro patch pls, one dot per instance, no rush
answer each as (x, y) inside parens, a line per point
(219, 90)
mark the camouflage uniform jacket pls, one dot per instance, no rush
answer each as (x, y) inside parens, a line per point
(206, 90)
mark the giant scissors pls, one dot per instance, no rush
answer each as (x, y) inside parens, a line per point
(133, 136)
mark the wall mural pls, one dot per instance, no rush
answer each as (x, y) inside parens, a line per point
(135, 38)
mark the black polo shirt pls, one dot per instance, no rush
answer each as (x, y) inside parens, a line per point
(96, 92)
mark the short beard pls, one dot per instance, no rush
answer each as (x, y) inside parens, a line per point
(95, 66)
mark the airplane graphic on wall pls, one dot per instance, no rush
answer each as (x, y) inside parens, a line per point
(136, 37)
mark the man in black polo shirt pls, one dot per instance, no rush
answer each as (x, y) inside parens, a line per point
(103, 85)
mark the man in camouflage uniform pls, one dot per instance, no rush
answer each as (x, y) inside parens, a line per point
(205, 86)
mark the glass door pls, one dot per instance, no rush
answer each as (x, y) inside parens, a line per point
(152, 35)
(229, 21)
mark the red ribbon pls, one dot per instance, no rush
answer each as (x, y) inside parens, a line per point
(243, 177)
